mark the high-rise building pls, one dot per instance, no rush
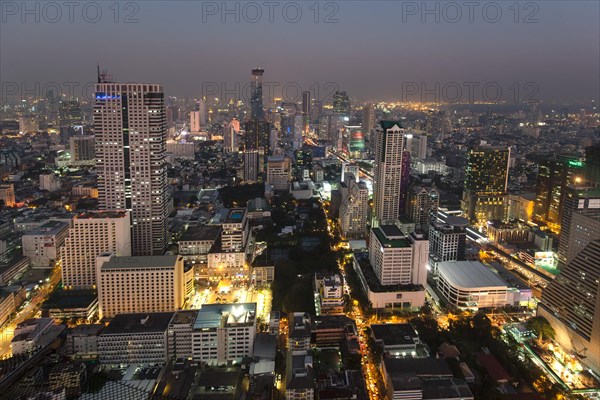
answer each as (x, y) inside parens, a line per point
(298, 139)
(256, 135)
(554, 175)
(422, 201)
(341, 104)
(416, 145)
(368, 121)
(306, 111)
(279, 172)
(83, 150)
(230, 142)
(234, 232)
(140, 284)
(486, 181)
(398, 259)
(198, 117)
(195, 125)
(42, 245)
(7, 194)
(91, 234)
(350, 168)
(447, 240)
(571, 303)
(583, 199)
(251, 161)
(70, 113)
(131, 136)
(256, 100)
(404, 182)
(592, 163)
(389, 143)
(49, 182)
(354, 209)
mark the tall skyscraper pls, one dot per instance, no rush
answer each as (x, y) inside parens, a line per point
(368, 121)
(486, 181)
(592, 163)
(404, 182)
(131, 136)
(422, 201)
(256, 136)
(83, 150)
(256, 100)
(354, 208)
(251, 161)
(341, 103)
(230, 142)
(583, 199)
(306, 111)
(389, 143)
(554, 175)
(571, 302)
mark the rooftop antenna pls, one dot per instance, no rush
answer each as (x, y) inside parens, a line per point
(103, 76)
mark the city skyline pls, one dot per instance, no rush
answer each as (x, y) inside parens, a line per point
(544, 47)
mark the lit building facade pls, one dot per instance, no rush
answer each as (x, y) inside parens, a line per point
(389, 143)
(131, 135)
(354, 209)
(224, 333)
(91, 234)
(140, 284)
(486, 181)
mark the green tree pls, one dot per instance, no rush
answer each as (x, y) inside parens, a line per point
(541, 328)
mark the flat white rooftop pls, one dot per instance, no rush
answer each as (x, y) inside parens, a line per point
(469, 275)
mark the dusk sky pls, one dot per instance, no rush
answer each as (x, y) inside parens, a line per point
(370, 52)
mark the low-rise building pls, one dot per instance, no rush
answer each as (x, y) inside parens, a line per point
(299, 332)
(82, 340)
(471, 285)
(29, 333)
(139, 338)
(398, 340)
(300, 381)
(196, 242)
(329, 291)
(224, 333)
(42, 245)
(423, 378)
(7, 305)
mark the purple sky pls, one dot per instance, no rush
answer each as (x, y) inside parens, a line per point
(375, 50)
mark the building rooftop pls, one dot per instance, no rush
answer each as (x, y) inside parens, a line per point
(129, 324)
(421, 367)
(469, 274)
(389, 236)
(140, 261)
(235, 216)
(48, 228)
(265, 346)
(221, 315)
(186, 317)
(445, 389)
(71, 299)
(385, 125)
(394, 334)
(102, 214)
(201, 232)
